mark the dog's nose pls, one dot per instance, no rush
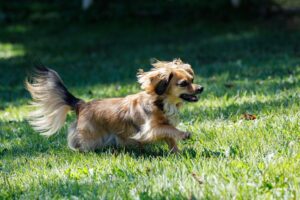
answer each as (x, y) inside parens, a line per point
(199, 89)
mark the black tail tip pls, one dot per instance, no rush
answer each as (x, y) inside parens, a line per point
(41, 69)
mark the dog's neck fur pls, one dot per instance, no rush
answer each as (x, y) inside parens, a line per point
(169, 109)
(172, 113)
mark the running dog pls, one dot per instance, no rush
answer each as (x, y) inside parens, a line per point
(148, 116)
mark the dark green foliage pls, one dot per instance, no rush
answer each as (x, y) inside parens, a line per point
(43, 11)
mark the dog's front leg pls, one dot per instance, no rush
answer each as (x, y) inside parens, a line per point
(170, 135)
(161, 132)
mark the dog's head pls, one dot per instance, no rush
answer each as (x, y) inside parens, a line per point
(171, 80)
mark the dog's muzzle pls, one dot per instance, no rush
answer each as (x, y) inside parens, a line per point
(192, 97)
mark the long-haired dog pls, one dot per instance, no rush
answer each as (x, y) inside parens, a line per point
(145, 117)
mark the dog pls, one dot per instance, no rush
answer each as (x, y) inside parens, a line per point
(148, 116)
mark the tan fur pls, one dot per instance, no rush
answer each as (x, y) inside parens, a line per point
(136, 119)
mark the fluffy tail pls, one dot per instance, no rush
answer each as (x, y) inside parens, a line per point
(51, 101)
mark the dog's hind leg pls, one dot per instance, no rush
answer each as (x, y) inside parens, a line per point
(73, 137)
(77, 141)
(84, 140)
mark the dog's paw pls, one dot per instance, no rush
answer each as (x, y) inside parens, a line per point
(175, 150)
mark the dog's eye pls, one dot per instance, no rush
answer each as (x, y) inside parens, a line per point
(183, 83)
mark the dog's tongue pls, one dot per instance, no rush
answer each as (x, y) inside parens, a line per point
(193, 98)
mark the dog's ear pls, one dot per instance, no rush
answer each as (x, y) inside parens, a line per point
(155, 81)
(162, 85)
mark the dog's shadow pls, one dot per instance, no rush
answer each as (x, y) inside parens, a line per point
(149, 151)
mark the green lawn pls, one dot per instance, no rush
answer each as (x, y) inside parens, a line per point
(246, 67)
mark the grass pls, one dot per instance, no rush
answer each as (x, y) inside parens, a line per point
(246, 67)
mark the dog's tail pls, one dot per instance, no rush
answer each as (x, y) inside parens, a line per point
(51, 101)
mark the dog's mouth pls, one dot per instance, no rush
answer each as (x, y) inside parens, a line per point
(189, 97)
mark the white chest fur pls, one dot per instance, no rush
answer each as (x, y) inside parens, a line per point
(147, 133)
(171, 113)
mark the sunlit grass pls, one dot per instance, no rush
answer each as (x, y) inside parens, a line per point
(14, 113)
(8, 50)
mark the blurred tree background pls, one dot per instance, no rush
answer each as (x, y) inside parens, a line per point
(33, 10)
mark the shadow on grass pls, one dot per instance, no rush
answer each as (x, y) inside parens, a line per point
(20, 140)
(29, 151)
(150, 151)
